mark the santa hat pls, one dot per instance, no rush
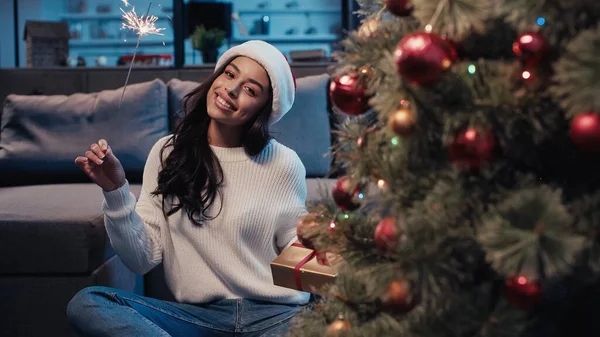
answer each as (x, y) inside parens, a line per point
(283, 82)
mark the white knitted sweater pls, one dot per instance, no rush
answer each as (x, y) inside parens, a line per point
(230, 256)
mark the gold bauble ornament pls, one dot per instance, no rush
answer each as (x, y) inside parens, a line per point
(398, 297)
(402, 122)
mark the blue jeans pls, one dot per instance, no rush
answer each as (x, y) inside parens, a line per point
(103, 311)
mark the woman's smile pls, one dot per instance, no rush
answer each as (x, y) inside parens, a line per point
(224, 103)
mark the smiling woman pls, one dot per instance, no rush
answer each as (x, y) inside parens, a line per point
(235, 97)
(220, 200)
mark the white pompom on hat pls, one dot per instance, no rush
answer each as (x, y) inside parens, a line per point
(283, 81)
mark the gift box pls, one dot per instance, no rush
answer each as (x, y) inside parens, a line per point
(300, 268)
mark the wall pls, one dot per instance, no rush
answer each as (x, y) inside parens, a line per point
(320, 14)
(43, 10)
(120, 41)
(7, 38)
(324, 15)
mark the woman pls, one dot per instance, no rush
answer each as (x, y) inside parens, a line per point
(219, 202)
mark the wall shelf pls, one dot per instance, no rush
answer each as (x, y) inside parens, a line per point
(118, 42)
(288, 38)
(100, 16)
(317, 16)
(289, 11)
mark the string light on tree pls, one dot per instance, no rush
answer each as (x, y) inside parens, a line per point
(332, 226)
(522, 292)
(531, 78)
(366, 70)
(472, 69)
(540, 21)
(362, 140)
(338, 327)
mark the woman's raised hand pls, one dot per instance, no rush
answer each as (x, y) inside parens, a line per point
(102, 166)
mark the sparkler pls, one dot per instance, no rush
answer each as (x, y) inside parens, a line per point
(142, 25)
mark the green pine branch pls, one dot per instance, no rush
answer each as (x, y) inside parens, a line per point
(577, 75)
(562, 19)
(369, 7)
(530, 233)
(462, 231)
(504, 321)
(523, 13)
(455, 18)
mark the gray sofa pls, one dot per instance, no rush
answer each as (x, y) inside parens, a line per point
(52, 237)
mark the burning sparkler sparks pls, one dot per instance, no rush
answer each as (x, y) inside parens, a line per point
(142, 25)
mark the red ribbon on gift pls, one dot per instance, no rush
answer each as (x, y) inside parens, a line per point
(320, 258)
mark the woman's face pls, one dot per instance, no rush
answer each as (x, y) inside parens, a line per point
(238, 94)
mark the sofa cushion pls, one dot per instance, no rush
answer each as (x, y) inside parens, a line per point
(53, 229)
(305, 128)
(41, 135)
(319, 189)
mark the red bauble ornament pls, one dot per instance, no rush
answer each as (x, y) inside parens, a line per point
(422, 58)
(387, 235)
(522, 292)
(585, 131)
(344, 194)
(531, 47)
(399, 7)
(452, 49)
(347, 93)
(472, 147)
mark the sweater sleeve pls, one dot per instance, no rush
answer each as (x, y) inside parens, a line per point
(134, 229)
(295, 201)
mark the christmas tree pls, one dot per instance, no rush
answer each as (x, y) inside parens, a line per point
(469, 204)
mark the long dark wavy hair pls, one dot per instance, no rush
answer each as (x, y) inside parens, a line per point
(191, 175)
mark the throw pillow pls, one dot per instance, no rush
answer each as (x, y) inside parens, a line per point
(41, 135)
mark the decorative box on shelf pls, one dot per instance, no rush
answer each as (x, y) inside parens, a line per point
(147, 59)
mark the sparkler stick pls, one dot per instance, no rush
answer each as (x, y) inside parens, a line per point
(143, 25)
